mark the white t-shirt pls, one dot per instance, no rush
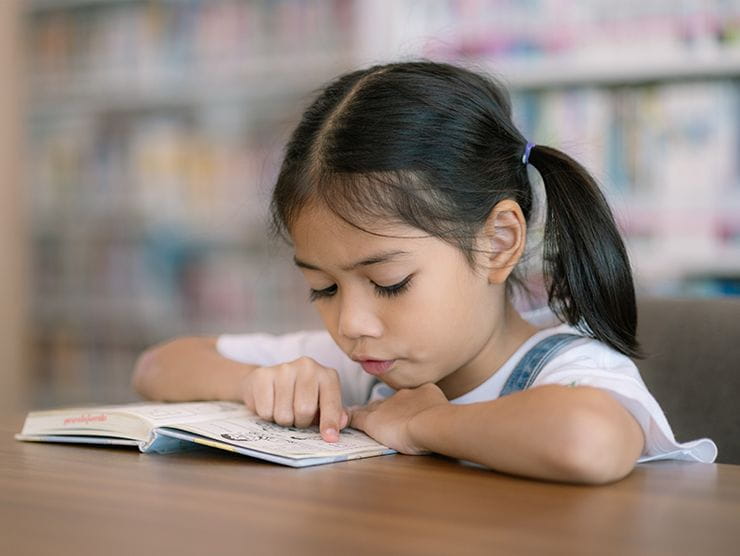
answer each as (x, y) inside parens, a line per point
(584, 362)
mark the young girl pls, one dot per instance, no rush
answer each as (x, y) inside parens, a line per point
(405, 192)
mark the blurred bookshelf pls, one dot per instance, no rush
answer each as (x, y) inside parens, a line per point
(155, 130)
(154, 135)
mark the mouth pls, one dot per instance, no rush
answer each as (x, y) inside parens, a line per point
(376, 367)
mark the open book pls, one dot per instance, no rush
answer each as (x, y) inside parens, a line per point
(171, 427)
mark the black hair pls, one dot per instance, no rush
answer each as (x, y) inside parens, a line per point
(433, 146)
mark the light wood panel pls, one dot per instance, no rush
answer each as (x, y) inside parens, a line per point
(13, 245)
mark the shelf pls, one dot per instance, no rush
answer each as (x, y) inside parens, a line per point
(256, 241)
(126, 93)
(37, 6)
(267, 79)
(652, 261)
(95, 331)
(557, 73)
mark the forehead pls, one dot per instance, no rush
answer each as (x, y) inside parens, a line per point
(318, 233)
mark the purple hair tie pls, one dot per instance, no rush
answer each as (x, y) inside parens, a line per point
(525, 156)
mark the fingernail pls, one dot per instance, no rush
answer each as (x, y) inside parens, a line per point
(330, 432)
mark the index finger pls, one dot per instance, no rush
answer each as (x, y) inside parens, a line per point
(330, 403)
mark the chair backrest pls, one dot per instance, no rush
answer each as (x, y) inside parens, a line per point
(693, 366)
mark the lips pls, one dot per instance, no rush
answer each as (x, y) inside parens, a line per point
(376, 367)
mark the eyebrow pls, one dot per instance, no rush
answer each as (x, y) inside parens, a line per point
(383, 257)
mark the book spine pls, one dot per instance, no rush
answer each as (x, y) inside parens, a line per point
(161, 444)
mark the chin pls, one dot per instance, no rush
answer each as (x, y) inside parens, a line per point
(398, 383)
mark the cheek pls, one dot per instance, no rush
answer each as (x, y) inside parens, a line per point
(428, 314)
(445, 314)
(328, 314)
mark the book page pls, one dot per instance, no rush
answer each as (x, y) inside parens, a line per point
(249, 431)
(164, 414)
(91, 421)
(125, 420)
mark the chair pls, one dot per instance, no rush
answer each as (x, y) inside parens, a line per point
(693, 366)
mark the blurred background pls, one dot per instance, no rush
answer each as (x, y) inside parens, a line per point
(140, 140)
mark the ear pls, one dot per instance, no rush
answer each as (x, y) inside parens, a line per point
(504, 236)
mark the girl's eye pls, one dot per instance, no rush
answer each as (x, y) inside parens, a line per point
(313, 295)
(395, 289)
(387, 291)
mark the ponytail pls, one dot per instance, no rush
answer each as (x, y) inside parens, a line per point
(585, 263)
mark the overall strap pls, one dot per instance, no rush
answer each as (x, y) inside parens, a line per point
(534, 360)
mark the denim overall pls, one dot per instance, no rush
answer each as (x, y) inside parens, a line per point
(530, 365)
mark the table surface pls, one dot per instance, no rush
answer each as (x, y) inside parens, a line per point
(72, 499)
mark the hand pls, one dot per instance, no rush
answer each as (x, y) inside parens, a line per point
(387, 421)
(299, 393)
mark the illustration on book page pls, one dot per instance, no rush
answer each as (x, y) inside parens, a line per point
(257, 434)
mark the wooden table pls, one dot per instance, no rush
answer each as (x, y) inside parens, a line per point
(60, 499)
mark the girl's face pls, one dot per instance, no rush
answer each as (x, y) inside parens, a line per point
(409, 308)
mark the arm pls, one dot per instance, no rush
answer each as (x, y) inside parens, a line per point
(188, 368)
(549, 432)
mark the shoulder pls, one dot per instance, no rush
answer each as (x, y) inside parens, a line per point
(583, 353)
(589, 362)
(587, 354)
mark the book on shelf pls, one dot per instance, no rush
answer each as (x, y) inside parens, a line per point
(163, 428)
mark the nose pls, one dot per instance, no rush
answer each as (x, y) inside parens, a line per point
(357, 318)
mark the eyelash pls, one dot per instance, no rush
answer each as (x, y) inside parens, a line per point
(383, 291)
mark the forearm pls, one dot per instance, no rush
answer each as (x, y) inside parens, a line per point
(549, 432)
(188, 369)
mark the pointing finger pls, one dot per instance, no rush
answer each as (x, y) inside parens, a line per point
(330, 403)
